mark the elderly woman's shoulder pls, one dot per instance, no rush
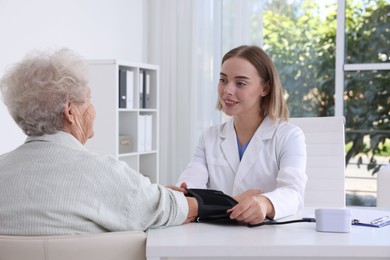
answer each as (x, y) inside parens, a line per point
(106, 164)
(102, 159)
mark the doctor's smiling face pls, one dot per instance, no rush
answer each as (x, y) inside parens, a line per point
(240, 87)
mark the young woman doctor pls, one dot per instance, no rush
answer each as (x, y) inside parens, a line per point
(256, 156)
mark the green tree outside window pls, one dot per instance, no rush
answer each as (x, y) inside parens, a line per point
(302, 43)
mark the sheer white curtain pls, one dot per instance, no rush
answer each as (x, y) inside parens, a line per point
(242, 23)
(184, 39)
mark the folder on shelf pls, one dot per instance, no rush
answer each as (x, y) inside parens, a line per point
(148, 133)
(147, 90)
(130, 89)
(141, 133)
(370, 217)
(141, 88)
(122, 89)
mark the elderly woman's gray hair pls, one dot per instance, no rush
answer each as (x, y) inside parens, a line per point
(37, 89)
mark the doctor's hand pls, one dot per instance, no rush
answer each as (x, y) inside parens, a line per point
(182, 188)
(252, 209)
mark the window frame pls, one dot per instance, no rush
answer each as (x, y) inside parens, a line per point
(341, 65)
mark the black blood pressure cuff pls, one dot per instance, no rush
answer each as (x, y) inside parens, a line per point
(213, 205)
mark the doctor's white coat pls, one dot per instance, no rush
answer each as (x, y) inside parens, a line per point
(274, 162)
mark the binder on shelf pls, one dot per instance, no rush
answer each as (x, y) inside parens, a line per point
(148, 133)
(141, 88)
(122, 89)
(141, 133)
(147, 90)
(130, 89)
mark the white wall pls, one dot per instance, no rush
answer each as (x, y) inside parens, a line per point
(93, 28)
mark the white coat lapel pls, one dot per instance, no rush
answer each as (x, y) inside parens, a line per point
(265, 131)
(229, 145)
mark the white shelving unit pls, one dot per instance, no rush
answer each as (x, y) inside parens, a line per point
(122, 132)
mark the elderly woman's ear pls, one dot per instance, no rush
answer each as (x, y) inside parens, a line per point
(69, 114)
(78, 119)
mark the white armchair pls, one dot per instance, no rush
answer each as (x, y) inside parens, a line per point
(325, 168)
(130, 245)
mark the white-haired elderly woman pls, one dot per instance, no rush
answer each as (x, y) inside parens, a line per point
(52, 184)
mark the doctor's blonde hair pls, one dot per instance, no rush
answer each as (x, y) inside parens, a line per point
(273, 104)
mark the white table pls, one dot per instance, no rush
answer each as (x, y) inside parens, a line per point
(291, 241)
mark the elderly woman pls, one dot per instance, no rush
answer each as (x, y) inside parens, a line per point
(52, 184)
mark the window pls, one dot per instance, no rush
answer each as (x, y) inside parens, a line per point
(366, 95)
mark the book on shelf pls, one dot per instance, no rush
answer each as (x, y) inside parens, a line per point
(122, 89)
(141, 88)
(147, 90)
(145, 133)
(126, 88)
(148, 133)
(141, 133)
(130, 89)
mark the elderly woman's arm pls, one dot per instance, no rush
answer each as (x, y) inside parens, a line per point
(192, 209)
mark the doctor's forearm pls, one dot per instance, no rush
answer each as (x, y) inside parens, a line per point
(269, 206)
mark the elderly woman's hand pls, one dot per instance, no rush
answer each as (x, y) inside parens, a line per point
(182, 188)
